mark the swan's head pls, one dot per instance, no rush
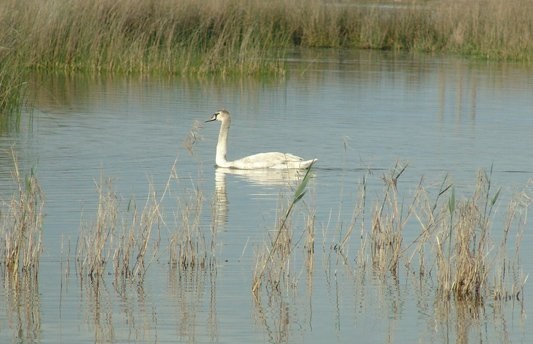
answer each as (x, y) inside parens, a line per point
(221, 116)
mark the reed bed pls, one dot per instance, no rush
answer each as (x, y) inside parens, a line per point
(130, 237)
(139, 36)
(13, 79)
(239, 37)
(12, 91)
(464, 245)
(456, 240)
(457, 247)
(234, 35)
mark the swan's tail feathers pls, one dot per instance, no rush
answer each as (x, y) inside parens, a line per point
(308, 163)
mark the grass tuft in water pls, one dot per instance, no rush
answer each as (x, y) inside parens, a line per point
(464, 244)
(130, 238)
(456, 240)
(189, 249)
(388, 223)
(125, 238)
(21, 224)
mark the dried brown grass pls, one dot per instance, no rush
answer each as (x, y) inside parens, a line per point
(189, 248)
(272, 269)
(388, 223)
(21, 224)
(463, 243)
(457, 241)
(123, 238)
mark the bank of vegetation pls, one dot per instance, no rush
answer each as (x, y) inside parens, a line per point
(238, 36)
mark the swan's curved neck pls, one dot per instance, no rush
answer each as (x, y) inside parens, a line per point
(222, 145)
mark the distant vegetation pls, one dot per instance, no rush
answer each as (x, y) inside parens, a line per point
(240, 37)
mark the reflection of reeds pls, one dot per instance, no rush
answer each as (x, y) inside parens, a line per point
(21, 224)
(23, 306)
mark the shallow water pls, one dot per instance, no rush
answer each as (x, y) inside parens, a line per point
(359, 113)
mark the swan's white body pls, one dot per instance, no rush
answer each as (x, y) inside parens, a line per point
(274, 160)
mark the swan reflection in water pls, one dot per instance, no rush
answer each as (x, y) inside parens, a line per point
(261, 178)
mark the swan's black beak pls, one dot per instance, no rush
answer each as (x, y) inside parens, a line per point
(213, 118)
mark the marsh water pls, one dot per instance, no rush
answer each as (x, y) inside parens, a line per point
(359, 113)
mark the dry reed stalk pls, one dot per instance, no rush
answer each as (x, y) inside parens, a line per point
(428, 215)
(93, 250)
(132, 248)
(22, 224)
(130, 239)
(272, 262)
(276, 268)
(128, 250)
(193, 136)
(357, 214)
(509, 279)
(388, 222)
(20, 251)
(188, 247)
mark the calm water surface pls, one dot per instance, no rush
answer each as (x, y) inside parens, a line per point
(359, 113)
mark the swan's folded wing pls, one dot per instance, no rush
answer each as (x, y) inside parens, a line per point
(274, 160)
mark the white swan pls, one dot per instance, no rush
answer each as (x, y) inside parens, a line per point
(273, 160)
